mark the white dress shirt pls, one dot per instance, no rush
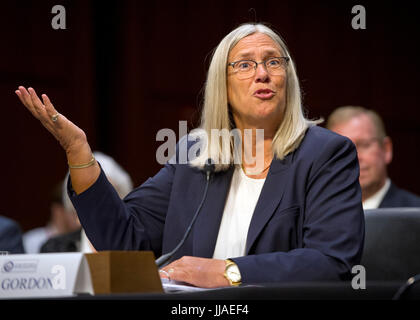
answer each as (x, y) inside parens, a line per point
(374, 201)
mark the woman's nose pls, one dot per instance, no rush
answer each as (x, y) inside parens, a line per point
(261, 73)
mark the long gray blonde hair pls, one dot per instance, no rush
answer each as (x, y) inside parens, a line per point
(216, 114)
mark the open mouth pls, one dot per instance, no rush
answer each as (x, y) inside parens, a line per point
(264, 93)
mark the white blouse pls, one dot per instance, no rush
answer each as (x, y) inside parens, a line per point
(239, 208)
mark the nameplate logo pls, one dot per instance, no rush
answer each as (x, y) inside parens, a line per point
(20, 265)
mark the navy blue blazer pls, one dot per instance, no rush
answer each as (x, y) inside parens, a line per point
(308, 224)
(399, 198)
(10, 236)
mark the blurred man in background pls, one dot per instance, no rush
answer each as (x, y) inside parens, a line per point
(77, 241)
(10, 236)
(374, 148)
(62, 221)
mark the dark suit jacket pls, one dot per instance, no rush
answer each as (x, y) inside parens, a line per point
(10, 236)
(399, 198)
(308, 223)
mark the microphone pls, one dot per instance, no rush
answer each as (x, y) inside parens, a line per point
(406, 286)
(208, 169)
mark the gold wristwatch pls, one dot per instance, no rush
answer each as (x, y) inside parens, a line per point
(232, 273)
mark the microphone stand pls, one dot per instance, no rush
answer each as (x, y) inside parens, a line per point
(163, 260)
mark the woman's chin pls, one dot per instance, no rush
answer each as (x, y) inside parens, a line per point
(265, 113)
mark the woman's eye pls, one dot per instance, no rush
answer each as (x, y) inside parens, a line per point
(274, 62)
(244, 65)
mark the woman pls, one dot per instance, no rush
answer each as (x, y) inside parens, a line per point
(297, 218)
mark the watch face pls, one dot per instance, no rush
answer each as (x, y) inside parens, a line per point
(233, 273)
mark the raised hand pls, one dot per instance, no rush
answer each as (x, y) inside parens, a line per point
(71, 137)
(66, 132)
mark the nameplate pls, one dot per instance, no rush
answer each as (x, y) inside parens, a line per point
(44, 275)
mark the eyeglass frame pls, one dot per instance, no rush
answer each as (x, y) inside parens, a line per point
(364, 145)
(287, 59)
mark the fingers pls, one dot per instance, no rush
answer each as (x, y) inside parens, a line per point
(164, 274)
(200, 272)
(58, 125)
(36, 102)
(51, 112)
(20, 96)
(44, 113)
(169, 273)
(31, 101)
(179, 270)
(42, 110)
(25, 98)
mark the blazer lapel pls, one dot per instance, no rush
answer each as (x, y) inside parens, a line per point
(271, 194)
(208, 221)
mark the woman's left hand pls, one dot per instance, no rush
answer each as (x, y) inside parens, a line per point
(200, 272)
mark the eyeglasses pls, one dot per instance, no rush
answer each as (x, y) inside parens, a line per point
(245, 69)
(365, 145)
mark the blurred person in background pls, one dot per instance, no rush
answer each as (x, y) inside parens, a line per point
(374, 149)
(61, 221)
(77, 241)
(10, 236)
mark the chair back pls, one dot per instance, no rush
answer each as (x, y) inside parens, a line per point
(392, 244)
